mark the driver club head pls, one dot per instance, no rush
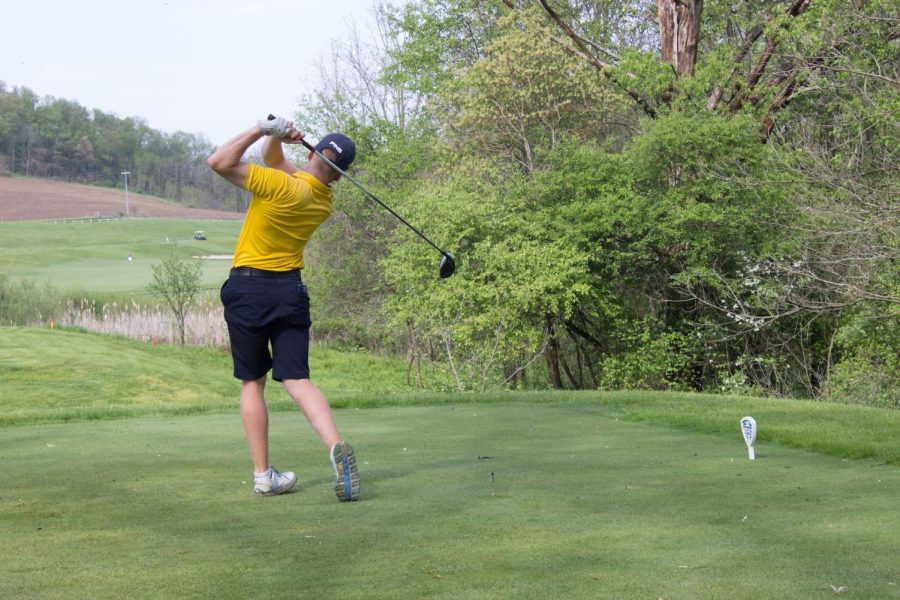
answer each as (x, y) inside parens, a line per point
(448, 266)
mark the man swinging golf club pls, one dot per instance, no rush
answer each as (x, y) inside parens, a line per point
(264, 297)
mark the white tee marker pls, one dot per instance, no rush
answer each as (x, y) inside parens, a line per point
(748, 428)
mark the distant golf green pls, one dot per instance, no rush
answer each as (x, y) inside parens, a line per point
(94, 256)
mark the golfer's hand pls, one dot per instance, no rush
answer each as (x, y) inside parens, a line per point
(277, 126)
(294, 136)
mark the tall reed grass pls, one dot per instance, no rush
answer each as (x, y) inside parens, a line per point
(204, 323)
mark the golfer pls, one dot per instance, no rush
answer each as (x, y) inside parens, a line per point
(264, 297)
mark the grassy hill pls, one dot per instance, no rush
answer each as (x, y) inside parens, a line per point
(57, 375)
(29, 198)
(67, 375)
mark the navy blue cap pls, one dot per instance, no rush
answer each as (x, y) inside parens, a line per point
(342, 146)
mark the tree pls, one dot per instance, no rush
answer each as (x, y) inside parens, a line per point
(527, 94)
(680, 33)
(817, 76)
(177, 281)
(50, 137)
(523, 101)
(695, 196)
(521, 273)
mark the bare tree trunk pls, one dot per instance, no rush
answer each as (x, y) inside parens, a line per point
(551, 353)
(181, 327)
(679, 30)
(414, 356)
(576, 382)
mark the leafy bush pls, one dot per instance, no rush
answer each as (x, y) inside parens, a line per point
(869, 371)
(868, 380)
(24, 302)
(652, 360)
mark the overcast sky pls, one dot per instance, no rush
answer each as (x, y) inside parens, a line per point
(209, 67)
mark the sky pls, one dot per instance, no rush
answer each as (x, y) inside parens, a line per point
(210, 67)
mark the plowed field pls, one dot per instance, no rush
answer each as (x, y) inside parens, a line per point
(24, 199)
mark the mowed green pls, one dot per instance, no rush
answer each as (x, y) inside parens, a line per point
(124, 473)
(94, 256)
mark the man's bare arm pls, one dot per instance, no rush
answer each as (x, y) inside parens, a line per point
(273, 156)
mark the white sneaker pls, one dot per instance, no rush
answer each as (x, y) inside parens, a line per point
(273, 482)
(346, 477)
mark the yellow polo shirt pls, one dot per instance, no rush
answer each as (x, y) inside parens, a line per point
(284, 211)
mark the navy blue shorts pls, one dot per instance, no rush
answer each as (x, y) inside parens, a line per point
(261, 311)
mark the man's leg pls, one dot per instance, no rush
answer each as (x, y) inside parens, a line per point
(250, 351)
(256, 422)
(314, 405)
(315, 408)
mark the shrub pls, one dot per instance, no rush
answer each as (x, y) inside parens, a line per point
(24, 302)
(651, 361)
(866, 380)
(868, 370)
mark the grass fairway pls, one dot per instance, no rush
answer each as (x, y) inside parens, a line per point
(94, 256)
(458, 501)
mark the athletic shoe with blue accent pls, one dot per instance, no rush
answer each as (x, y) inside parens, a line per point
(273, 482)
(346, 477)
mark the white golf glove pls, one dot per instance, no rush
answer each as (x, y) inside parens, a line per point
(277, 126)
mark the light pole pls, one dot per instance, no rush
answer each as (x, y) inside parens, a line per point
(126, 173)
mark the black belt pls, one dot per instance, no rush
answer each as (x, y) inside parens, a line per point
(252, 272)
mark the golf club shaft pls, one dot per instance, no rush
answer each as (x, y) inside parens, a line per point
(371, 195)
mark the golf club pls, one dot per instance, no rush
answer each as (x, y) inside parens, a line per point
(448, 265)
